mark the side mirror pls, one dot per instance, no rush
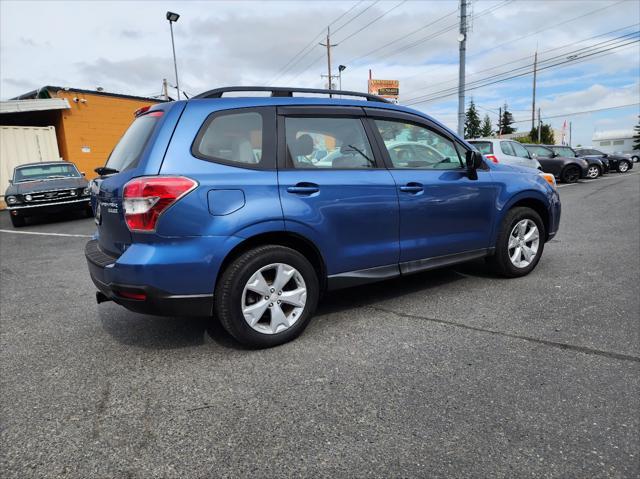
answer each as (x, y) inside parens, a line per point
(83, 173)
(473, 160)
(10, 182)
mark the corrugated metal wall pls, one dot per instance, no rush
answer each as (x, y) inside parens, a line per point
(25, 144)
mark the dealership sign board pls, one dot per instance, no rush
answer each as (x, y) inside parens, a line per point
(384, 88)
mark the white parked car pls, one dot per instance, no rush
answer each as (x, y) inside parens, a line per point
(508, 152)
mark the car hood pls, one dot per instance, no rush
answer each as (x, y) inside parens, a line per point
(46, 185)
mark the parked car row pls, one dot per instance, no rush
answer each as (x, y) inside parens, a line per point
(563, 162)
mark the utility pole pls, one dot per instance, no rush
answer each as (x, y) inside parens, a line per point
(165, 89)
(462, 38)
(329, 45)
(539, 127)
(500, 122)
(533, 104)
(569, 133)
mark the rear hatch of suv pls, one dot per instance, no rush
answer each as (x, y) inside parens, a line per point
(139, 152)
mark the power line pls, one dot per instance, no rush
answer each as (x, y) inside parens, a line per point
(514, 76)
(309, 45)
(354, 17)
(476, 84)
(495, 67)
(372, 22)
(584, 112)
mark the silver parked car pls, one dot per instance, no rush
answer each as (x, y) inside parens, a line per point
(508, 152)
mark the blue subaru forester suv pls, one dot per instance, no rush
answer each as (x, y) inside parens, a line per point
(248, 208)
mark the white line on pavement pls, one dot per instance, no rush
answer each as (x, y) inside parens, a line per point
(44, 234)
(615, 177)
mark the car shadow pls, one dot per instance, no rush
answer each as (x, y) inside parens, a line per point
(160, 332)
(60, 217)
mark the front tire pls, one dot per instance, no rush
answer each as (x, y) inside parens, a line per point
(571, 174)
(623, 166)
(17, 221)
(593, 172)
(520, 243)
(267, 296)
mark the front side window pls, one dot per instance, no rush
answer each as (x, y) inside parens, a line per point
(45, 172)
(519, 150)
(329, 143)
(564, 151)
(234, 138)
(540, 151)
(414, 146)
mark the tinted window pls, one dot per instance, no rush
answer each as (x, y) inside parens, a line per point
(519, 150)
(232, 138)
(505, 146)
(540, 151)
(413, 146)
(484, 147)
(564, 151)
(43, 172)
(127, 152)
(332, 143)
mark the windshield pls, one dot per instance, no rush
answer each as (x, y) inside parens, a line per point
(44, 172)
(484, 147)
(128, 150)
(564, 151)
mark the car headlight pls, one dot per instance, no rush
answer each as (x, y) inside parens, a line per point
(28, 197)
(12, 200)
(86, 192)
(73, 192)
(549, 178)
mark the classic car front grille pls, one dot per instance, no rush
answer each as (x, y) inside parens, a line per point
(55, 195)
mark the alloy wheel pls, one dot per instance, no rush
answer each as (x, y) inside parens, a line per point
(623, 167)
(274, 298)
(593, 172)
(524, 242)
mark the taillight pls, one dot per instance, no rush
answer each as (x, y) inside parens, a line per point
(492, 158)
(145, 199)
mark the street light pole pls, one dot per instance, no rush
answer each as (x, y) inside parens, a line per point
(173, 17)
(462, 38)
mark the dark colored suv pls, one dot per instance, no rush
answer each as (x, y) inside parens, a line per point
(223, 205)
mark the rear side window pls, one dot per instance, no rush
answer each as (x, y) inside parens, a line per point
(127, 152)
(484, 147)
(505, 146)
(233, 138)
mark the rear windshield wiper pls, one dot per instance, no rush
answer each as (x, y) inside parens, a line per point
(105, 170)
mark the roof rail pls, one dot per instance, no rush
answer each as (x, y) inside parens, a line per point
(287, 92)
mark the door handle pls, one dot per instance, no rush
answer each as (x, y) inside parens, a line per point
(412, 188)
(304, 189)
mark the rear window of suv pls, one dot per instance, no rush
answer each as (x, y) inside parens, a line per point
(127, 152)
(485, 147)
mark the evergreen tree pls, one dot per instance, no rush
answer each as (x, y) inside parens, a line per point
(504, 126)
(472, 122)
(486, 130)
(636, 137)
(546, 135)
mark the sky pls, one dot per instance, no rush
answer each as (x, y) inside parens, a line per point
(125, 47)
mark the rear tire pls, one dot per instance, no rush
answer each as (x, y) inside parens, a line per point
(18, 221)
(264, 319)
(623, 166)
(571, 174)
(593, 172)
(508, 245)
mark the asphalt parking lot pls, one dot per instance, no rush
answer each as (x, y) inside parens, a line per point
(452, 373)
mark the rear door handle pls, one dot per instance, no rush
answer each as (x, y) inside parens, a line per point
(412, 188)
(303, 189)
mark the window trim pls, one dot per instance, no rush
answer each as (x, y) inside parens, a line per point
(373, 114)
(355, 113)
(268, 157)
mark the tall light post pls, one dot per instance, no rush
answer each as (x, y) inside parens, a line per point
(341, 68)
(173, 17)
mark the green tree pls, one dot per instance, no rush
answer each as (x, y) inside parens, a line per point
(504, 125)
(486, 130)
(546, 135)
(636, 137)
(472, 122)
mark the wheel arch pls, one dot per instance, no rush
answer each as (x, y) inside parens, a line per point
(536, 205)
(295, 241)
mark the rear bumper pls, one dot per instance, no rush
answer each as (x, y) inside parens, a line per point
(152, 300)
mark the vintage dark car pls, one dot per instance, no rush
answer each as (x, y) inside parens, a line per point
(620, 163)
(568, 169)
(41, 188)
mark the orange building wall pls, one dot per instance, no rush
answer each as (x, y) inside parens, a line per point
(96, 125)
